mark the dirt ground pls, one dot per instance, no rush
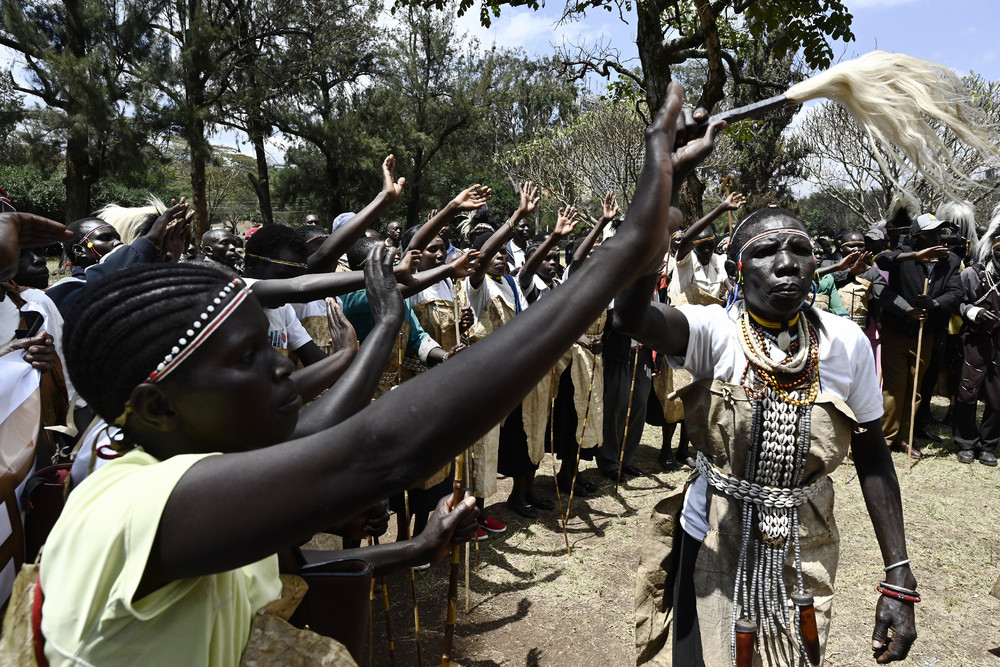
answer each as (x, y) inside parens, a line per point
(531, 604)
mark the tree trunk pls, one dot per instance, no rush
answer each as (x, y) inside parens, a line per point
(652, 56)
(200, 153)
(335, 203)
(261, 182)
(79, 175)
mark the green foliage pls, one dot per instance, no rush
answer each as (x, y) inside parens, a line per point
(804, 25)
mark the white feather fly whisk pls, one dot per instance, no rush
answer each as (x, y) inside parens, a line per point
(903, 104)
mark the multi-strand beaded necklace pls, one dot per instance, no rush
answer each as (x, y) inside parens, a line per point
(782, 393)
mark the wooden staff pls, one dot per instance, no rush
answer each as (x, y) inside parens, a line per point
(579, 444)
(628, 416)
(728, 181)
(413, 585)
(468, 473)
(449, 626)
(388, 619)
(371, 617)
(552, 451)
(916, 384)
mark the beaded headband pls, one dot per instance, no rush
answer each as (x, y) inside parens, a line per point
(710, 239)
(772, 232)
(86, 237)
(996, 244)
(318, 236)
(204, 326)
(301, 265)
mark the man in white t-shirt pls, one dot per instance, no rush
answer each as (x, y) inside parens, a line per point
(781, 396)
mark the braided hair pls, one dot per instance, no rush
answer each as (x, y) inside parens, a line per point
(270, 241)
(121, 327)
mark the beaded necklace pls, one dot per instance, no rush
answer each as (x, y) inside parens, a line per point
(782, 393)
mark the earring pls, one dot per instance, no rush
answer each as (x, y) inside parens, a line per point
(734, 295)
(804, 308)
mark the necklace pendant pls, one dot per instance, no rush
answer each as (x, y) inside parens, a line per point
(784, 339)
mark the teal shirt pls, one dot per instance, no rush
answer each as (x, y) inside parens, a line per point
(828, 286)
(359, 314)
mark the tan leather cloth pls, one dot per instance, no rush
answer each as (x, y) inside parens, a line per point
(587, 373)
(390, 374)
(855, 296)
(536, 407)
(437, 317)
(727, 412)
(17, 643)
(485, 451)
(318, 328)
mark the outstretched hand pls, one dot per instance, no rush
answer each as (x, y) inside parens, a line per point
(391, 186)
(404, 268)
(933, 253)
(734, 201)
(176, 238)
(342, 334)
(565, 222)
(384, 299)
(465, 264)
(609, 207)
(529, 200)
(895, 616)
(25, 230)
(473, 197)
(177, 211)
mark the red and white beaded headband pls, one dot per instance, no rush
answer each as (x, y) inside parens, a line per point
(772, 232)
(204, 326)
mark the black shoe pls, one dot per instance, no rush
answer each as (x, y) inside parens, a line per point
(581, 490)
(915, 454)
(988, 458)
(923, 433)
(524, 509)
(540, 503)
(966, 456)
(613, 475)
(632, 471)
(668, 463)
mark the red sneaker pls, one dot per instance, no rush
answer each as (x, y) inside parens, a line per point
(480, 535)
(491, 525)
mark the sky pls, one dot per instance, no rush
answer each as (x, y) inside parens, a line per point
(955, 33)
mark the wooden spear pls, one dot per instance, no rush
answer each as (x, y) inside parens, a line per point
(449, 627)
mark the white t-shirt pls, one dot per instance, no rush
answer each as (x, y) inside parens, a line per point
(489, 288)
(515, 255)
(439, 291)
(846, 371)
(689, 271)
(283, 328)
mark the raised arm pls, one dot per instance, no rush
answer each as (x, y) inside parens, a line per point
(326, 256)
(463, 265)
(529, 200)
(210, 522)
(609, 211)
(656, 325)
(730, 203)
(563, 228)
(25, 230)
(467, 200)
(354, 389)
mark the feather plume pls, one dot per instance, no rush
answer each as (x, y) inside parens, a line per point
(962, 215)
(129, 221)
(985, 250)
(902, 103)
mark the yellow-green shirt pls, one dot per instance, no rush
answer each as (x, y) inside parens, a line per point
(95, 558)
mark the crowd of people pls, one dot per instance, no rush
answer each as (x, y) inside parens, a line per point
(217, 402)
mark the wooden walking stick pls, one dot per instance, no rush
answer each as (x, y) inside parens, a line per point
(728, 181)
(916, 384)
(413, 585)
(579, 444)
(388, 619)
(628, 416)
(552, 451)
(468, 483)
(371, 617)
(449, 626)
